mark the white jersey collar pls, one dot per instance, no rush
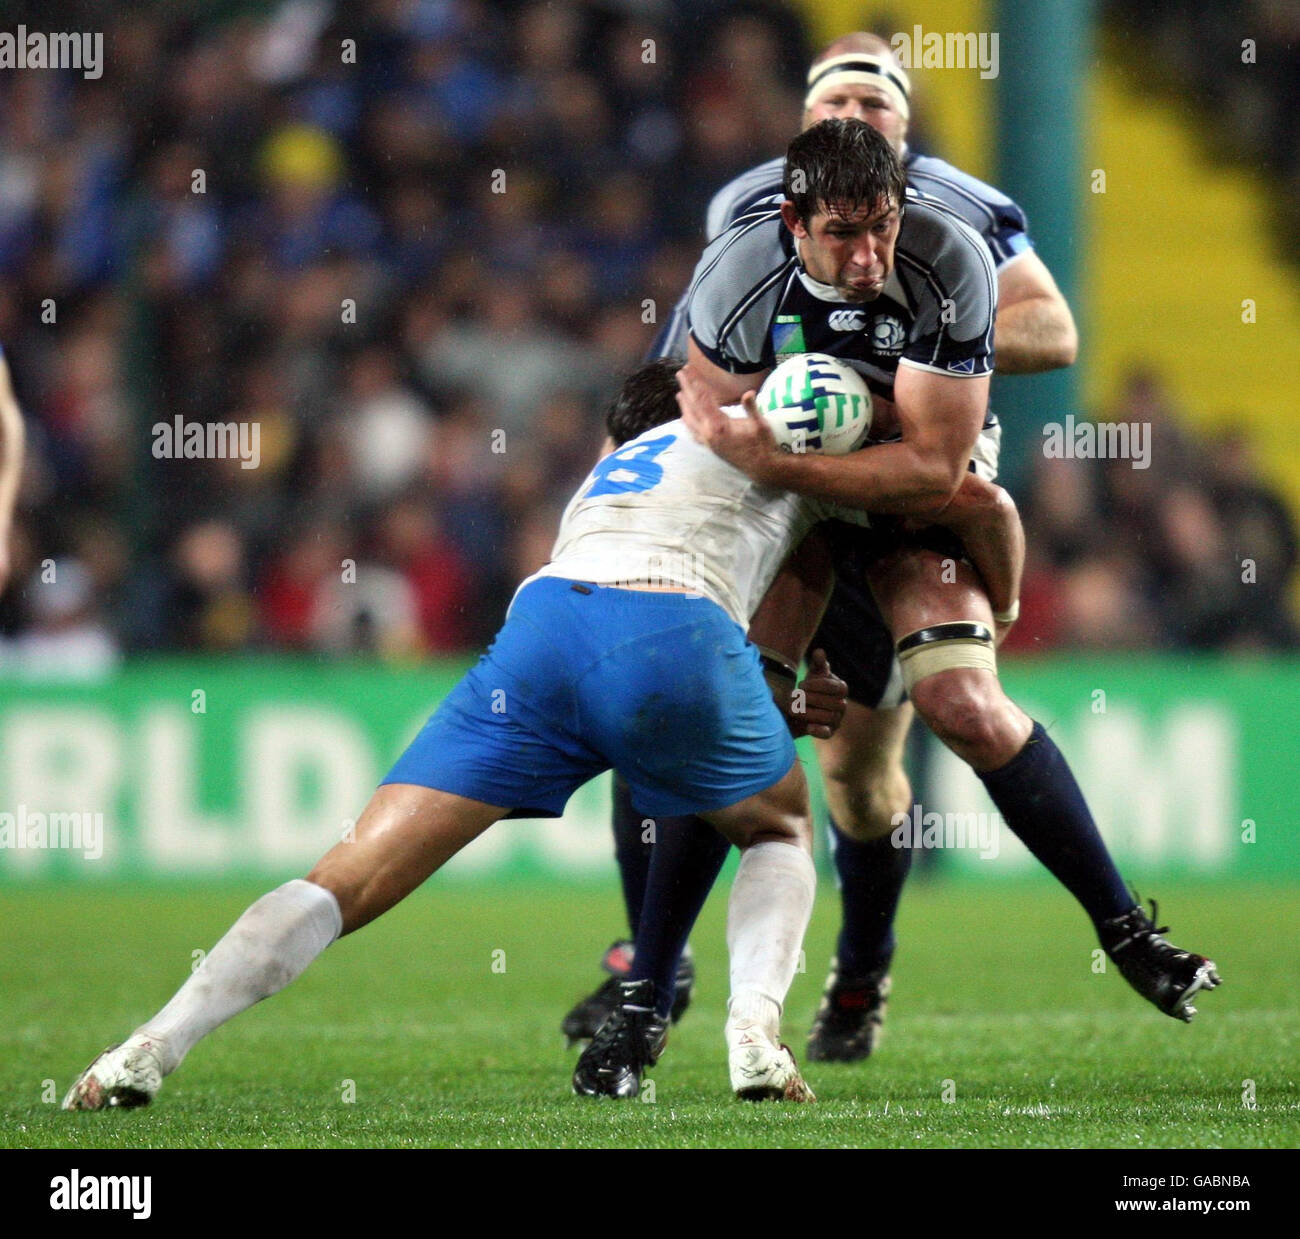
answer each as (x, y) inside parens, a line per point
(823, 292)
(827, 292)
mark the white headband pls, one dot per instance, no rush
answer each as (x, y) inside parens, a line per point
(860, 69)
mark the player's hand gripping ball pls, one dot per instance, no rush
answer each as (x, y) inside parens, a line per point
(816, 403)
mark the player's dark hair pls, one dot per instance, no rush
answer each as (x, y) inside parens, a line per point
(842, 165)
(647, 398)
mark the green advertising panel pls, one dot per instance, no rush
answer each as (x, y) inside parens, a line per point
(1188, 764)
(204, 769)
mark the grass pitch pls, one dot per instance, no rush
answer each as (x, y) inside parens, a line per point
(438, 1026)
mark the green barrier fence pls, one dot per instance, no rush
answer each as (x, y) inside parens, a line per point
(204, 768)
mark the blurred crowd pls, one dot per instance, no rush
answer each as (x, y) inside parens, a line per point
(1194, 551)
(417, 243)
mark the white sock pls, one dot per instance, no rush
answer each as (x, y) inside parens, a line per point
(771, 903)
(269, 946)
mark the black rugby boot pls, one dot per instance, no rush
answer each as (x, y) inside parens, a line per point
(625, 1045)
(849, 1023)
(591, 1012)
(1162, 973)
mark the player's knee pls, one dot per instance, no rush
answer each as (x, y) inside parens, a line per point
(781, 814)
(950, 670)
(864, 803)
(964, 709)
(788, 822)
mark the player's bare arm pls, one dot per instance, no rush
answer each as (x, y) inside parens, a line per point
(12, 439)
(939, 416)
(783, 628)
(1035, 330)
(727, 388)
(984, 516)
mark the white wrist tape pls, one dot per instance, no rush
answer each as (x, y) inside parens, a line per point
(1010, 615)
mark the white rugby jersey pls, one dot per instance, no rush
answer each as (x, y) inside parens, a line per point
(664, 510)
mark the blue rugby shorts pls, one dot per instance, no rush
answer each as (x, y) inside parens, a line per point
(663, 687)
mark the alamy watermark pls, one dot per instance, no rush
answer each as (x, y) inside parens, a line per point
(976, 831)
(930, 49)
(123, 1193)
(671, 570)
(1085, 440)
(32, 49)
(182, 440)
(67, 832)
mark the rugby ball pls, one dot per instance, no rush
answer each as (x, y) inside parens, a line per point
(816, 403)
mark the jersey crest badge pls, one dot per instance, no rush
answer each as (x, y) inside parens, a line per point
(887, 335)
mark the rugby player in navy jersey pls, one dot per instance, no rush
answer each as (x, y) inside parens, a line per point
(857, 77)
(925, 286)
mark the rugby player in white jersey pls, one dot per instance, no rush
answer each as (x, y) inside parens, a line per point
(628, 650)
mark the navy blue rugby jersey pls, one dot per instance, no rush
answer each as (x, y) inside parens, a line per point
(998, 219)
(751, 303)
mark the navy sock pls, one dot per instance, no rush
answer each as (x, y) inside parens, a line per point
(688, 855)
(632, 855)
(1040, 801)
(871, 880)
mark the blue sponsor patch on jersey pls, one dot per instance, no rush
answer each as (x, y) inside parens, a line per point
(787, 335)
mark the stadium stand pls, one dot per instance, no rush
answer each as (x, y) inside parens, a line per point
(420, 277)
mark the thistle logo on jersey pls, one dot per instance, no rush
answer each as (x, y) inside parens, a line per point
(816, 403)
(888, 335)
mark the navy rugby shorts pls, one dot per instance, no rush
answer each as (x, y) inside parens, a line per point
(853, 632)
